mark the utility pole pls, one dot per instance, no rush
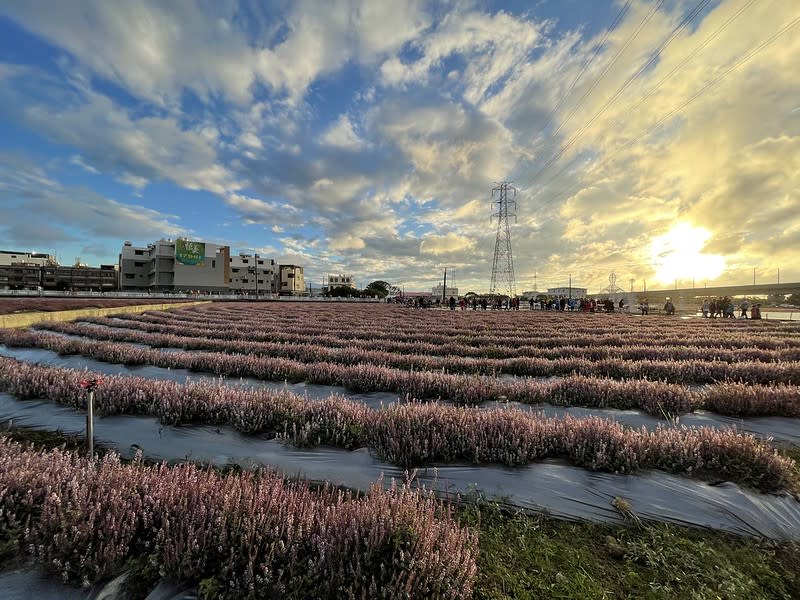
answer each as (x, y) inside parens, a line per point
(503, 265)
(255, 266)
(90, 385)
(632, 280)
(570, 286)
(444, 287)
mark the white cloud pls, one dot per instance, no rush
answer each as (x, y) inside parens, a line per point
(26, 189)
(78, 161)
(342, 135)
(449, 243)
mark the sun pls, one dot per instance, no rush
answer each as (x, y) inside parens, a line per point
(678, 254)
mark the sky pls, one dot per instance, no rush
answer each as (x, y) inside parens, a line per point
(658, 140)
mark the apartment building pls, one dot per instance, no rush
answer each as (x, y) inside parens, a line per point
(80, 278)
(181, 265)
(340, 280)
(291, 281)
(37, 271)
(250, 274)
(20, 276)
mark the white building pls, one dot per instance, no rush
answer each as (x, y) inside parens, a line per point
(340, 280)
(9, 257)
(569, 292)
(439, 290)
(243, 274)
(291, 281)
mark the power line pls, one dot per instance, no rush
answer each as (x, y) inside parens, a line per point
(745, 58)
(654, 55)
(586, 63)
(600, 77)
(692, 54)
(619, 52)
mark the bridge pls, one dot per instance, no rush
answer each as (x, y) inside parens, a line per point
(691, 298)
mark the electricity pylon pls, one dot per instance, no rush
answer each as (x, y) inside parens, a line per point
(503, 281)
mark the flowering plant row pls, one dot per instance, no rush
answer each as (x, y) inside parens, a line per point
(253, 359)
(414, 433)
(458, 323)
(257, 535)
(655, 349)
(485, 333)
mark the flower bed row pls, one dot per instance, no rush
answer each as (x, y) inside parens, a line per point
(508, 322)
(255, 534)
(485, 333)
(655, 350)
(318, 364)
(415, 434)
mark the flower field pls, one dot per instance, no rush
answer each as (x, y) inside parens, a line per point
(444, 368)
(262, 536)
(417, 434)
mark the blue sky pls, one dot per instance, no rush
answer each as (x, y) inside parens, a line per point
(365, 137)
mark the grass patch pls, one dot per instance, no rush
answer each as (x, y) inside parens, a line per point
(44, 440)
(525, 556)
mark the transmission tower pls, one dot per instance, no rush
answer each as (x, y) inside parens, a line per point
(503, 267)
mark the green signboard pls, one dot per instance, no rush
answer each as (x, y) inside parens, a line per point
(190, 253)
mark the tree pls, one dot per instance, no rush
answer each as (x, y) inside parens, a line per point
(342, 291)
(381, 289)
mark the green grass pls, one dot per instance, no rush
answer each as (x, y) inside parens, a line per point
(44, 440)
(524, 556)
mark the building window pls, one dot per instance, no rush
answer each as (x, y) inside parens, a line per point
(138, 264)
(214, 264)
(139, 252)
(235, 270)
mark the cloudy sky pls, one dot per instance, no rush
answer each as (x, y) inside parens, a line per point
(658, 139)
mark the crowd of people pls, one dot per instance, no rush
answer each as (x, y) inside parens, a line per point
(725, 307)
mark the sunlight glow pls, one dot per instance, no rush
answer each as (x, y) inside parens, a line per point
(678, 254)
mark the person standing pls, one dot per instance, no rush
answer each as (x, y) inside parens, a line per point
(706, 308)
(744, 307)
(756, 312)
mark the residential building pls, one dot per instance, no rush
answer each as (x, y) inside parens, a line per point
(20, 276)
(182, 265)
(80, 278)
(340, 280)
(291, 281)
(134, 267)
(22, 270)
(10, 257)
(243, 269)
